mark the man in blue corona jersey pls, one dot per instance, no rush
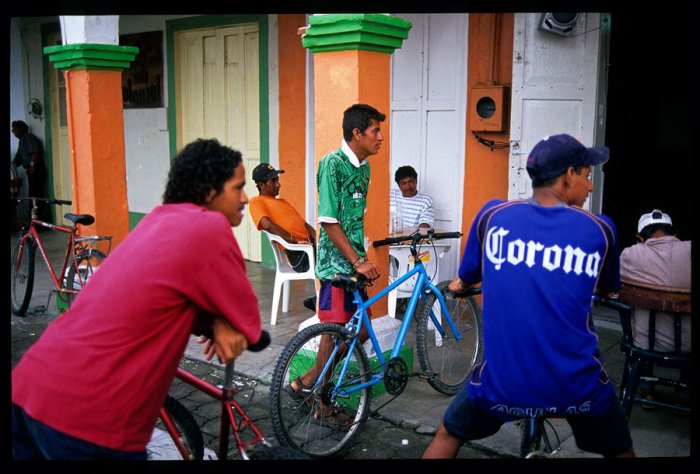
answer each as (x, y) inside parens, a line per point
(540, 261)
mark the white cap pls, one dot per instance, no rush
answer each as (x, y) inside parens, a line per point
(653, 217)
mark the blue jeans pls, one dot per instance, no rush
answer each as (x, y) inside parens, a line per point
(32, 439)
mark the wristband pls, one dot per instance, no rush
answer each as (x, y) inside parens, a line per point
(359, 262)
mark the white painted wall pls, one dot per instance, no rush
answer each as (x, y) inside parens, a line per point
(90, 29)
(26, 75)
(146, 134)
(147, 157)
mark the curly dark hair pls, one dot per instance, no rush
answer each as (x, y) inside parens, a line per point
(201, 166)
(359, 116)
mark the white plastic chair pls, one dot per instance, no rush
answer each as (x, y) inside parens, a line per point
(285, 273)
(401, 262)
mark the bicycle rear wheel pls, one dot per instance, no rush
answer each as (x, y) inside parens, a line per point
(301, 422)
(163, 446)
(530, 436)
(449, 360)
(22, 275)
(77, 277)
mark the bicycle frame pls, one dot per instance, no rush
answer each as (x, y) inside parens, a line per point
(70, 246)
(361, 317)
(233, 417)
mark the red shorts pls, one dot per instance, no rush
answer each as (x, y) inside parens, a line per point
(335, 305)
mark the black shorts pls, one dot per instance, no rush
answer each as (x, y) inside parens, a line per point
(607, 435)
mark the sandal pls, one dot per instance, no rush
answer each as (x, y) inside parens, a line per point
(333, 418)
(301, 394)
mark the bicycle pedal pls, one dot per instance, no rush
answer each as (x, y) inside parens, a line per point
(425, 375)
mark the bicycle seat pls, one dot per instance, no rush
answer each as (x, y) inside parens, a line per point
(356, 281)
(84, 219)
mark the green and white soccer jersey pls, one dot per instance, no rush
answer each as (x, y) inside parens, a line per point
(342, 195)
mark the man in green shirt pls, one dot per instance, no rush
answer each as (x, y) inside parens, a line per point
(342, 181)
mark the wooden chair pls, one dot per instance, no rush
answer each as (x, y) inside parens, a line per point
(677, 302)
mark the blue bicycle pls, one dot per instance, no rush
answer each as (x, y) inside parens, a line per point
(324, 418)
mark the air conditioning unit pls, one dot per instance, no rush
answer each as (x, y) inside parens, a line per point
(561, 24)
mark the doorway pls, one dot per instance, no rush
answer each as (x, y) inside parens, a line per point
(648, 123)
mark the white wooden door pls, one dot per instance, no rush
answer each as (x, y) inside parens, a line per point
(428, 107)
(60, 150)
(217, 84)
(555, 90)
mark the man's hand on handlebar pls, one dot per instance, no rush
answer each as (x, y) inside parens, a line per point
(226, 342)
(458, 288)
(370, 271)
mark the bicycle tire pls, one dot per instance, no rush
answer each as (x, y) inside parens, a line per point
(294, 421)
(530, 436)
(277, 453)
(77, 277)
(162, 445)
(450, 362)
(22, 275)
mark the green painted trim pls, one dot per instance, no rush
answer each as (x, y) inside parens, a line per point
(91, 56)
(46, 30)
(135, 218)
(365, 32)
(213, 21)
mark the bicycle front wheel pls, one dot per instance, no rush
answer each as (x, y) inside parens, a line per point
(77, 277)
(22, 275)
(316, 422)
(187, 435)
(449, 361)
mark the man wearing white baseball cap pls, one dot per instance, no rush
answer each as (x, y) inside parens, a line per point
(660, 258)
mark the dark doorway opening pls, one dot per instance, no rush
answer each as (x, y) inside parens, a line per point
(648, 122)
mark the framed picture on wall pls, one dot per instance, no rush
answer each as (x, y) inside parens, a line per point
(142, 83)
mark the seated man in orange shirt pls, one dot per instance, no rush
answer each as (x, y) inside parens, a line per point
(276, 216)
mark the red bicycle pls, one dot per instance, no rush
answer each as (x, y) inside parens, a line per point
(81, 260)
(180, 435)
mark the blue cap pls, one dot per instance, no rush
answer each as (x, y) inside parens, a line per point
(553, 155)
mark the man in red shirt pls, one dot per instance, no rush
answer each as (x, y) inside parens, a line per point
(91, 387)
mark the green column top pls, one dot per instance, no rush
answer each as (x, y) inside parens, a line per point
(355, 31)
(91, 56)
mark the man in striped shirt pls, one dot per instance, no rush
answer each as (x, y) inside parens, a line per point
(416, 209)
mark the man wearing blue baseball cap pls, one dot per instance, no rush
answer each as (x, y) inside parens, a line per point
(539, 262)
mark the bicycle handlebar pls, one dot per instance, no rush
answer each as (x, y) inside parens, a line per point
(262, 343)
(417, 235)
(48, 200)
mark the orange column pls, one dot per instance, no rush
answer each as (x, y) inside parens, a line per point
(96, 138)
(96, 132)
(347, 73)
(292, 109)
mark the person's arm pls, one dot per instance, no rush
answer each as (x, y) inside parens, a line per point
(35, 153)
(267, 224)
(427, 215)
(219, 337)
(312, 232)
(341, 242)
(458, 286)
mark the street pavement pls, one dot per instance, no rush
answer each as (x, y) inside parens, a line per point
(401, 429)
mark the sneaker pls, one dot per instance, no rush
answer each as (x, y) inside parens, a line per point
(646, 391)
(648, 395)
